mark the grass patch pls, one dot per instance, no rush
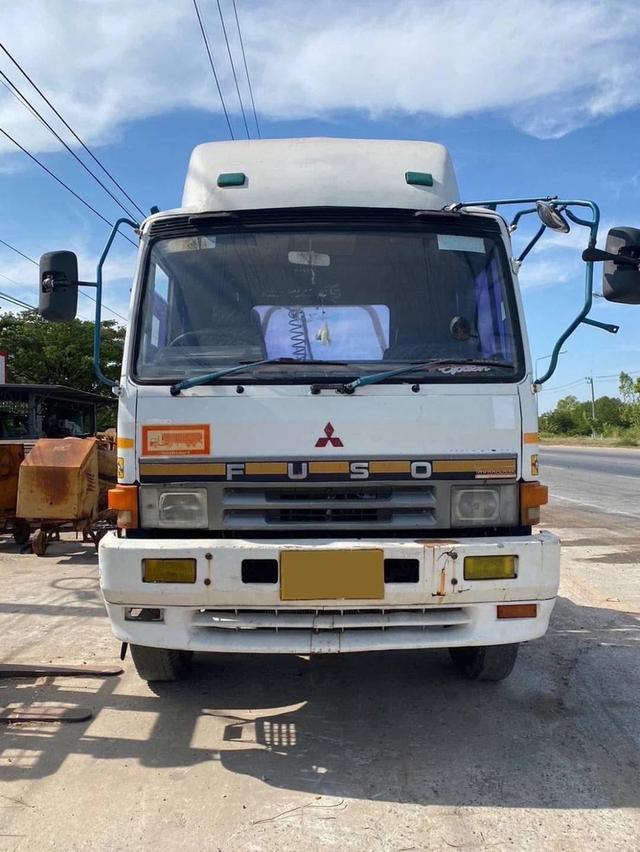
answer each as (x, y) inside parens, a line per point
(622, 440)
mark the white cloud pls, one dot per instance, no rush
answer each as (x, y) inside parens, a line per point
(557, 258)
(553, 261)
(548, 66)
(546, 272)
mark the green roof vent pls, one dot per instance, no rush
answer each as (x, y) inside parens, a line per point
(232, 179)
(419, 178)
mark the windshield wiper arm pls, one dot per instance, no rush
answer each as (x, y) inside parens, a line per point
(374, 378)
(246, 365)
(211, 377)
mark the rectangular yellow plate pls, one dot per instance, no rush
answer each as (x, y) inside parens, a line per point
(311, 575)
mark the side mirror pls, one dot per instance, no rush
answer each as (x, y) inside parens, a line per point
(621, 273)
(551, 217)
(58, 299)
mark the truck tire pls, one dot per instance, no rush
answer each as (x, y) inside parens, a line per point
(486, 662)
(160, 664)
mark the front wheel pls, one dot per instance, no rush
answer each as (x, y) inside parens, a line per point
(160, 664)
(486, 662)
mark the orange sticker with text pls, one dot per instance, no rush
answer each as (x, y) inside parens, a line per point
(183, 440)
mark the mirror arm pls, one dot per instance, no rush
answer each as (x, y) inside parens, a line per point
(607, 326)
(575, 218)
(532, 243)
(516, 219)
(566, 334)
(98, 285)
(52, 283)
(592, 224)
(497, 202)
(598, 255)
(582, 317)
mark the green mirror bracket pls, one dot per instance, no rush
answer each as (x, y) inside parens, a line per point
(592, 224)
(612, 328)
(532, 243)
(513, 225)
(98, 285)
(582, 318)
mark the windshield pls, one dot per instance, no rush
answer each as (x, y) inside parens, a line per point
(368, 299)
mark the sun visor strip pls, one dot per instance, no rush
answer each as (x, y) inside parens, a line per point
(351, 217)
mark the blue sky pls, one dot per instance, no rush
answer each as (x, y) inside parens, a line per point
(536, 98)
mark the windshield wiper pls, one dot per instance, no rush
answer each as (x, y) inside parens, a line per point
(374, 378)
(206, 378)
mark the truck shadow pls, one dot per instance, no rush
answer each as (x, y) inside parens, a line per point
(562, 732)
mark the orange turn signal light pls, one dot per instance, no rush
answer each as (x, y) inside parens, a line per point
(124, 499)
(517, 610)
(532, 496)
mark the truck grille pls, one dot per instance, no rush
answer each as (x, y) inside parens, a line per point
(306, 507)
(424, 618)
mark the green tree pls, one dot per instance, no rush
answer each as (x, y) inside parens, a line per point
(566, 419)
(609, 411)
(630, 393)
(43, 352)
(572, 417)
(613, 415)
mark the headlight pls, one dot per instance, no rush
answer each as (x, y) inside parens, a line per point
(177, 508)
(483, 505)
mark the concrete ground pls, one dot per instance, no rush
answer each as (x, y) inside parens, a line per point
(355, 752)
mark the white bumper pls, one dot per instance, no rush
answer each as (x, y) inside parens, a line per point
(221, 613)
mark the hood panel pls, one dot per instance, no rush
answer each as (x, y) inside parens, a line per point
(279, 423)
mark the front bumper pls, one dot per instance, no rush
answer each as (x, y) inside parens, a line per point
(221, 613)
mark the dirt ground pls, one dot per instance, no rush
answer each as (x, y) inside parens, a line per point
(354, 752)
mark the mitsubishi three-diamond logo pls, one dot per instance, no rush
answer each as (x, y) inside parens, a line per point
(329, 438)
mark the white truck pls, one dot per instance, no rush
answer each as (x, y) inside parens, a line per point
(327, 431)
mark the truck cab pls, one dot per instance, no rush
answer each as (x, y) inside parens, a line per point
(327, 432)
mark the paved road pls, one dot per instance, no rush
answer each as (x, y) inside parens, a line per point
(604, 479)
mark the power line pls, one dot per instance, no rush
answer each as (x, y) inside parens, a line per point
(16, 303)
(617, 375)
(17, 251)
(62, 183)
(55, 177)
(106, 307)
(213, 67)
(13, 299)
(72, 131)
(246, 70)
(233, 69)
(563, 387)
(588, 379)
(28, 105)
(6, 277)
(35, 262)
(7, 297)
(10, 90)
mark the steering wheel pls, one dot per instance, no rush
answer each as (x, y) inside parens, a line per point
(196, 333)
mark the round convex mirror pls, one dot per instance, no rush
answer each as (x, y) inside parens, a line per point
(550, 217)
(459, 328)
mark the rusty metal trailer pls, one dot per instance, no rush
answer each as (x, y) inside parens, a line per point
(47, 530)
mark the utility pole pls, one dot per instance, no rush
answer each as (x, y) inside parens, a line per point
(589, 380)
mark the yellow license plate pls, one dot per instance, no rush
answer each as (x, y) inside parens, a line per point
(310, 575)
